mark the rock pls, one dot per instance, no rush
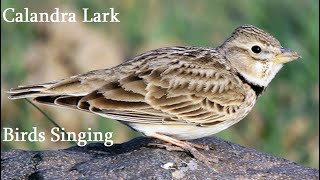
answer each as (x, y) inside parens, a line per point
(136, 159)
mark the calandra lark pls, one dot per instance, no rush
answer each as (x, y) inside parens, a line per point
(175, 93)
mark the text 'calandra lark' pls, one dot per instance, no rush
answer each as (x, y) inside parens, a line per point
(175, 93)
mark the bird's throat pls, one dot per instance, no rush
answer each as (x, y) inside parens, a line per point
(256, 88)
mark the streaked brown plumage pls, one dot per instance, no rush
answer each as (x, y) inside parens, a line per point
(175, 93)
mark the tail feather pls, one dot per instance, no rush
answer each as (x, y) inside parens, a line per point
(64, 93)
(26, 88)
(62, 101)
(52, 88)
(46, 99)
(40, 95)
(27, 94)
(28, 91)
(35, 87)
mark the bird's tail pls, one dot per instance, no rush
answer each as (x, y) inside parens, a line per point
(48, 93)
(29, 91)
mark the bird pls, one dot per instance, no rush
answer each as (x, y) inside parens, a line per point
(176, 93)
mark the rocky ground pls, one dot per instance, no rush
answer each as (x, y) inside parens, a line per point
(136, 159)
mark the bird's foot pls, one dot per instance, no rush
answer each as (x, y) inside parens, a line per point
(177, 145)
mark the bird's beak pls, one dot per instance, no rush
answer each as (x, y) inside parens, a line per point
(285, 56)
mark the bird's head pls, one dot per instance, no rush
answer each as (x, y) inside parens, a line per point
(256, 54)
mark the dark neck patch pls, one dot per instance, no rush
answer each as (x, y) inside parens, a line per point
(257, 89)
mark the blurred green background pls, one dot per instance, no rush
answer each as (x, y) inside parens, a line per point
(284, 122)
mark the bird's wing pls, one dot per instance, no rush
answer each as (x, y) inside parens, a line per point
(176, 93)
(195, 94)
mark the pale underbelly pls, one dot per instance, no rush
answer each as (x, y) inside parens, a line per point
(182, 131)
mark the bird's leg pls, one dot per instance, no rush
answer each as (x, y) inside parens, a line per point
(187, 146)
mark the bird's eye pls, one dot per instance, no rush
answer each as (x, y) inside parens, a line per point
(256, 49)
